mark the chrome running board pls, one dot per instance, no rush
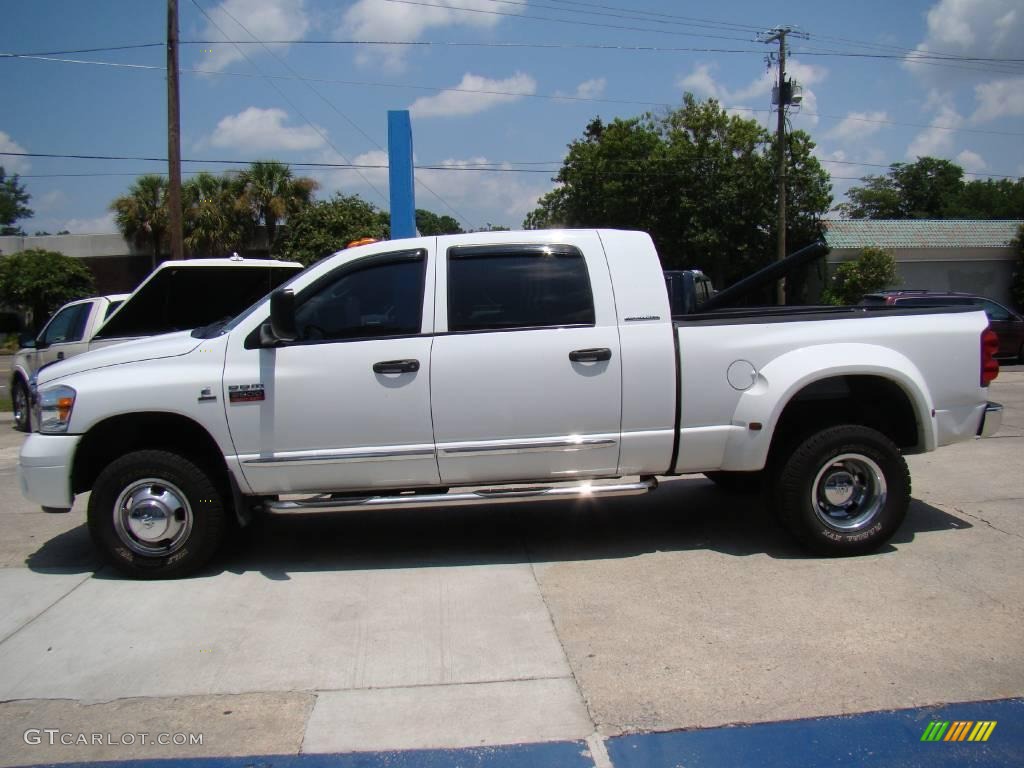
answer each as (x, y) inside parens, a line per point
(498, 495)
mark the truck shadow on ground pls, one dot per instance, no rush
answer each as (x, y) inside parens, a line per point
(683, 514)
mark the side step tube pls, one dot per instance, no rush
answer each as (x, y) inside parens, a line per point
(498, 495)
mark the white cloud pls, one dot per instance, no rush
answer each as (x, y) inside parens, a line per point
(263, 130)
(481, 196)
(12, 164)
(264, 19)
(591, 89)
(999, 98)
(971, 162)
(101, 225)
(377, 20)
(979, 28)
(474, 94)
(702, 82)
(858, 125)
(935, 141)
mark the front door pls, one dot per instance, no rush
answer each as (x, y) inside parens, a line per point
(526, 377)
(347, 405)
(62, 336)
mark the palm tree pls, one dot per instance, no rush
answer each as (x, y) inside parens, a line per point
(214, 222)
(270, 193)
(141, 215)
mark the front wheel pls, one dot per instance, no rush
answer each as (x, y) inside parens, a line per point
(22, 406)
(844, 491)
(156, 515)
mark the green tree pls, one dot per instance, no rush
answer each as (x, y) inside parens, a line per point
(13, 204)
(429, 223)
(40, 281)
(873, 270)
(327, 226)
(988, 199)
(700, 181)
(272, 194)
(215, 222)
(141, 215)
(923, 189)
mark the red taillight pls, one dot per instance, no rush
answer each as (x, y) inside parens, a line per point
(989, 364)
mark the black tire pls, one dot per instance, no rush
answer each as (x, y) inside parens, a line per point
(737, 482)
(22, 406)
(173, 498)
(843, 491)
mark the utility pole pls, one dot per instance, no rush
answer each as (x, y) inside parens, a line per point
(173, 134)
(784, 98)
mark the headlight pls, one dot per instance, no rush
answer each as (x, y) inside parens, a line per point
(53, 408)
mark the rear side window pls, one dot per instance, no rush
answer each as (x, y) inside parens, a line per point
(497, 288)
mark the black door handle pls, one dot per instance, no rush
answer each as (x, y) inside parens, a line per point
(397, 366)
(590, 355)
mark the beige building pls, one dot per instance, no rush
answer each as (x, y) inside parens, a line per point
(117, 264)
(976, 257)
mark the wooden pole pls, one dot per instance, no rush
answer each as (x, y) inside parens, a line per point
(173, 134)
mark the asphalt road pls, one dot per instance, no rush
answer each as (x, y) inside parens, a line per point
(526, 623)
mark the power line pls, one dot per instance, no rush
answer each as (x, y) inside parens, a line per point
(280, 93)
(552, 97)
(913, 56)
(574, 22)
(498, 167)
(345, 117)
(87, 50)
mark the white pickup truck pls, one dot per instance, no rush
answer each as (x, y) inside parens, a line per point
(500, 367)
(175, 296)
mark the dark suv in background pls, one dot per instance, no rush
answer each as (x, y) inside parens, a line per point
(1008, 325)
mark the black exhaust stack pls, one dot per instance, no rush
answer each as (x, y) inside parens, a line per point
(762, 277)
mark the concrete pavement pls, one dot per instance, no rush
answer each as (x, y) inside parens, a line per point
(487, 626)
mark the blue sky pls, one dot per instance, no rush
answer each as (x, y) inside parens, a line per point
(502, 105)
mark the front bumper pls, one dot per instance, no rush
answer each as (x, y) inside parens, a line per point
(991, 420)
(44, 469)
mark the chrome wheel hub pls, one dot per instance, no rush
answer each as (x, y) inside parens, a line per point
(152, 517)
(848, 492)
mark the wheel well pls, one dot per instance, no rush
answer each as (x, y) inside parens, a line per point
(114, 437)
(871, 401)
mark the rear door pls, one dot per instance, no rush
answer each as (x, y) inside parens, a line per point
(526, 377)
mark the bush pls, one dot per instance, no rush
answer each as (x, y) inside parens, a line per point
(874, 270)
(41, 281)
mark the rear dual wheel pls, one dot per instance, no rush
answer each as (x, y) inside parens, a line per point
(843, 491)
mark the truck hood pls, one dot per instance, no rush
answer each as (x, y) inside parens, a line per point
(184, 295)
(154, 348)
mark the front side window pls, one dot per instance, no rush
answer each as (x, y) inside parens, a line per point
(493, 288)
(381, 297)
(67, 325)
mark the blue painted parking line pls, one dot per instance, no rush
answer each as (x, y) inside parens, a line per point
(981, 734)
(873, 739)
(559, 754)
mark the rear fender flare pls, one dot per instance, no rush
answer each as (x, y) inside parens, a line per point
(783, 378)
